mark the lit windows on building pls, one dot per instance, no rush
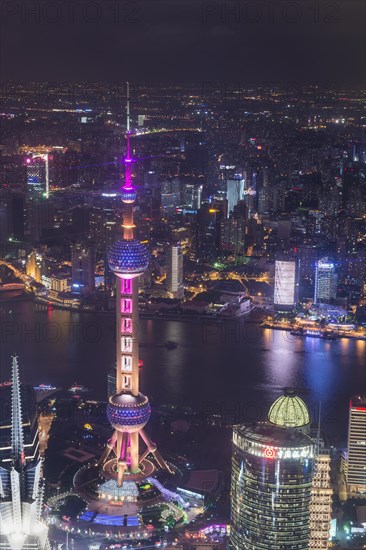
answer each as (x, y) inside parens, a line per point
(325, 281)
(321, 504)
(271, 482)
(286, 284)
(356, 467)
(234, 191)
(175, 272)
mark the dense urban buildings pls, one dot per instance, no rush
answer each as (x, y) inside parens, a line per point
(233, 250)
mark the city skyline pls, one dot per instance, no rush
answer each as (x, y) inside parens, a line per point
(183, 275)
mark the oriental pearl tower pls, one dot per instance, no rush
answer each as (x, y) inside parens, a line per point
(128, 410)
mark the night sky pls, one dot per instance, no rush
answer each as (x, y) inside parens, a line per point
(187, 41)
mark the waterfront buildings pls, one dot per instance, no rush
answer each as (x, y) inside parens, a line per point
(356, 462)
(34, 266)
(325, 281)
(272, 475)
(21, 485)
(286, 284)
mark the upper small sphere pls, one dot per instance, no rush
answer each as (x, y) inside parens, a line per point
(128, 195)
(128, 258)
(289, 411)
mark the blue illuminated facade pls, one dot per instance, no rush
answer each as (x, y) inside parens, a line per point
(128, 416)
(128, 257)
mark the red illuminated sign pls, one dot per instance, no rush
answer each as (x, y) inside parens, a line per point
(269, 452)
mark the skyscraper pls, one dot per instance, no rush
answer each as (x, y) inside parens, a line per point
(34, 265)
(325, 281)
(192, 196)
(174, 272)
(208, 232)
(233, 230)
(272, 472)
(321, 503)
(83, 267)
(234, 191)
(38, 176)
(356, 463)
(21, 486)
(264, 193)
(286, 284)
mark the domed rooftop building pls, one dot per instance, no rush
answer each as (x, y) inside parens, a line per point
(289, 411)
(273, 462)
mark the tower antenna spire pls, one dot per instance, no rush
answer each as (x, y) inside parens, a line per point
(17, 438)
(128, 107)
(128, 126)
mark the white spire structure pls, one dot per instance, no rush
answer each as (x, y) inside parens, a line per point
(17, 439)
(21, 487)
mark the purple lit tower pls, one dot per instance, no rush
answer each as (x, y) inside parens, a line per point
(128, 410)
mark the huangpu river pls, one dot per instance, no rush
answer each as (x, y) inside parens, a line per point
(232, 369)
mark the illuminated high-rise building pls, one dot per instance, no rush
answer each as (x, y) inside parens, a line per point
(83, 263)
(271, 484)
(325, 281)
(174, 272)
(286, 284)
(356, 463)
(234, 191)
(21, 486)
(233, 230)
(208, 232)
(192, 196)
(264, 193)
(34, 265)
(38, 176)
(321, 503)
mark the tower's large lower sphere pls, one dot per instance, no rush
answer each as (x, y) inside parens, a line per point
(128, 413)
(128, 258)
